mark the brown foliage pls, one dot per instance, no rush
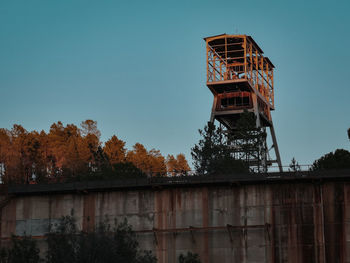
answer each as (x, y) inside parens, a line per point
(115, 150)
(70, 151)
(150, 162)
(177, 166)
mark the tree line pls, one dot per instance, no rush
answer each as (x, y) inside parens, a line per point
(71, 152)
(77, 153)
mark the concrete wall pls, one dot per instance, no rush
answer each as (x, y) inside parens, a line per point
(261, 222)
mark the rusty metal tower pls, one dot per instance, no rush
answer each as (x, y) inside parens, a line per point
(241, 79)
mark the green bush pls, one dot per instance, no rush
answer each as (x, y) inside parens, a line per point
(103, 245)
(66, 244)
(189, 258)
(21, 251)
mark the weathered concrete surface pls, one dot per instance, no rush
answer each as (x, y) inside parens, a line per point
(257, 222)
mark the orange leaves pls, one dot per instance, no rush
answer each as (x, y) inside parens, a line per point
(115, 150)
(150, 162)
(178, 165)
(70, 151)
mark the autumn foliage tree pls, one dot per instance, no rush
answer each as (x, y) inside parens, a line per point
(69, 152)
(115, 150)
(150, 162)
(178, 165)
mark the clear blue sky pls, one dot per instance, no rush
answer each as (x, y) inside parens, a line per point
(138, 68)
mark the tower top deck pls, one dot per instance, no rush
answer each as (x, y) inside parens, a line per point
(238, 60)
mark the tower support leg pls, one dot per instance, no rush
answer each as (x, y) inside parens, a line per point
(263, 148)
(212, 116)
(275, 146)
(256, 110)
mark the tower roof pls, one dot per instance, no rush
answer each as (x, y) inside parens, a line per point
(216, 39)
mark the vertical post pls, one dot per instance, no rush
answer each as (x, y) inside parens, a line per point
(251, 59)
(264, 152)
(225, 60)
(89, 213)
(257, 70)
(273, 91)
(245, 56)
(207, 62)
(226, 51)
(214, 67)
(212, 116)
(262, 76)
(256, 109)
(221, 75)
(275, 146)
(268, 82)
(258, 125)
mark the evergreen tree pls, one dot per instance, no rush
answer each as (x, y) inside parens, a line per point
(212, 154)
(339, 159)
(294, 166)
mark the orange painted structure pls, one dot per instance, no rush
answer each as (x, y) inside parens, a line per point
(240, 78)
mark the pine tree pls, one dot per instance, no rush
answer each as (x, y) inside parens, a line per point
(115, 150)
(213, 155)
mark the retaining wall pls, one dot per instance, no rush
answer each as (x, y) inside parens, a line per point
(227, 221)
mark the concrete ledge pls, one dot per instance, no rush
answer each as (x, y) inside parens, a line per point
(160, 182)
